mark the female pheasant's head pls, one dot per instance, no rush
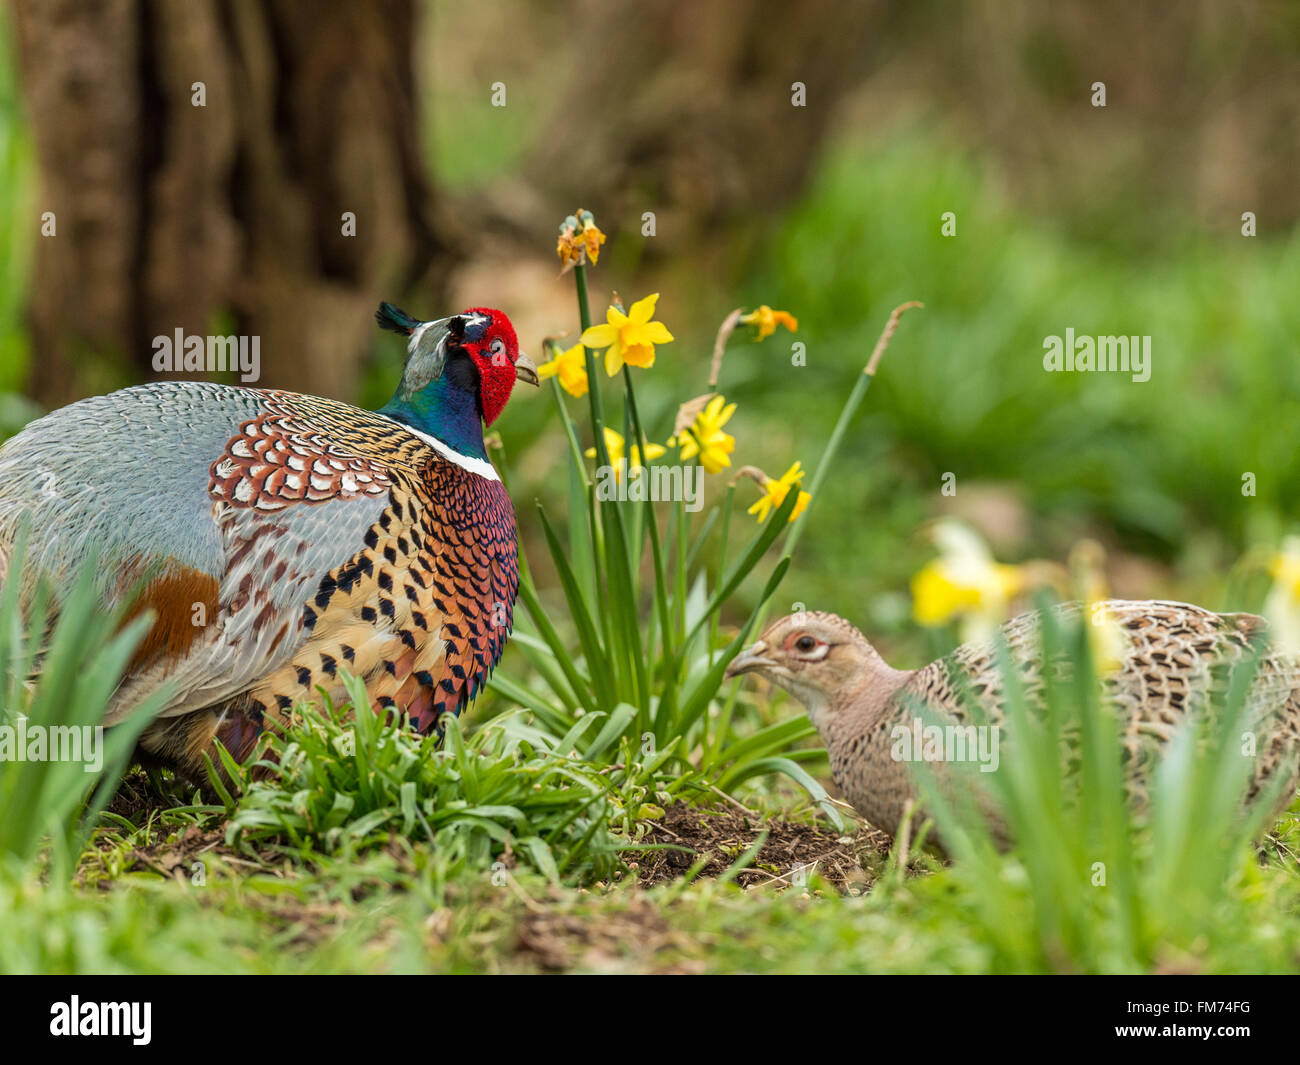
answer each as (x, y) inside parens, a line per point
(459, 373)
(817, 657)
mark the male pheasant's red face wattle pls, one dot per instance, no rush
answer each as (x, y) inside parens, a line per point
(495, 351)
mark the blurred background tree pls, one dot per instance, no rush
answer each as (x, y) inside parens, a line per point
(198, 159)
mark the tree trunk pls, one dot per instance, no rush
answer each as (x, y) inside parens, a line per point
(706, 113)
(199, 157)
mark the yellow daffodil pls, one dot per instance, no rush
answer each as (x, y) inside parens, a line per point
(705, 437)
(774, 493)
(767, 320)
(571, 366)
(580, 240)
(616, 446)
(964, 582)
(591, 237)
(629, 338)
(1282, 607)
(1087, 569)
(569, 249)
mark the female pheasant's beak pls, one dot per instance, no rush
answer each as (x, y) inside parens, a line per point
(749, 660)
(526, 370)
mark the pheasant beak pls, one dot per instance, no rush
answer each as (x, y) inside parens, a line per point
(526, 370)
(749, 660)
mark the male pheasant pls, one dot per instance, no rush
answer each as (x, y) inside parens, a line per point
(1167, 659)
(281, 538)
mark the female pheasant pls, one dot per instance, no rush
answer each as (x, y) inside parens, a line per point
(279, 538)
(1167, 658)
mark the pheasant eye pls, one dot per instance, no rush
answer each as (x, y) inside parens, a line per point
(498, 352)
(805, 643)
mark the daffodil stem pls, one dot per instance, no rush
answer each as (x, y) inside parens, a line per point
(850, 409)
(593, 382)
(828, 456)
(575, 449)
(720, 347)
(847, 413)
(584, 309)
(727, 505)
(683, 535)
(661, 602)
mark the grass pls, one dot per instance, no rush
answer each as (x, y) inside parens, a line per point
(365, 848)
(368, 917)
(77, 655)
(1095, 885)
(341, 787)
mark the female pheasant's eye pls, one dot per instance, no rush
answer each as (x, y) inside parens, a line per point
(805, 643)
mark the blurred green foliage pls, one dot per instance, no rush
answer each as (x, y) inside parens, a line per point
(1155, 466)
(18, 228)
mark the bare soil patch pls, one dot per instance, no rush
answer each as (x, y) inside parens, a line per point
(792, 852)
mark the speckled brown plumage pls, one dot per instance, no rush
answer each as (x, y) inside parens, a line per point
(1168, 659)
